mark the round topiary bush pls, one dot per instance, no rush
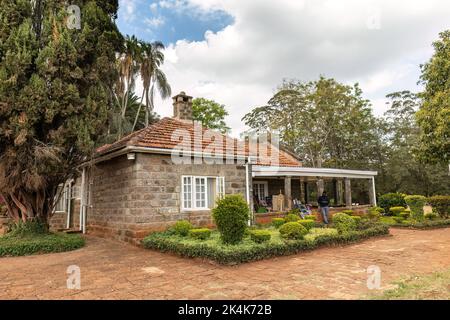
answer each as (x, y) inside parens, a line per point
(310, 217)
(181, 228)
(308, 224)
(395, 211)
(405, 214)
(415, 204)
(278, 222)
(291, 217)
(348, 212)
(392, 200)
(200, 234)
(343, 222)
(293, 231)
(357, 219)
(231, 217)
(260, 236)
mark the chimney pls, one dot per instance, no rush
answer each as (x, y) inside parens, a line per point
(182, 106)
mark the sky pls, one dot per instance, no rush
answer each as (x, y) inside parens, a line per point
(237, 52)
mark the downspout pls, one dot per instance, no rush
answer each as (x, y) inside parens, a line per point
(69, 204)
(82, 202)
(247, 189)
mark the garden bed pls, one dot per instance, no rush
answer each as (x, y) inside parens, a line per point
(411, 224)
(11, 245)
(248, 250)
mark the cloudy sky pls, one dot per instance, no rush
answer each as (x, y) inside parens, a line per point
(238, 51)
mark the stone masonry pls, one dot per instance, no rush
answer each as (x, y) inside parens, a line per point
(131, 198)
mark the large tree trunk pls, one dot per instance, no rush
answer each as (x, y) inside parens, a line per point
(24, 206)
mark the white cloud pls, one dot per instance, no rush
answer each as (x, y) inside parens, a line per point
(155, 22)
(130, 9)
(379, 44)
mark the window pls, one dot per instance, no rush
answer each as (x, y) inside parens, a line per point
(62, 205)
(260, 190)
(200, 193)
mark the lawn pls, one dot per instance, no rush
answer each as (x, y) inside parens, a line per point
(248, 250)
(21, 245)
(429, 287)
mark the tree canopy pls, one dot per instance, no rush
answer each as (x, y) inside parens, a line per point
(210, 113)
(434, 114)
(54, 96)
(324, 121)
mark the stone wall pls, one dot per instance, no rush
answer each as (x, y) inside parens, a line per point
(131, 198)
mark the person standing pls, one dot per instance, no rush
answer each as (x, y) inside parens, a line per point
(324, 203)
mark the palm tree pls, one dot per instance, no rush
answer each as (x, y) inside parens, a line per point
(128, 64)
(152, 77)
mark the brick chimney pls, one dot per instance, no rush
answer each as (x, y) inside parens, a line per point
(182, 106)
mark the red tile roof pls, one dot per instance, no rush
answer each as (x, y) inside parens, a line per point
(170, 133)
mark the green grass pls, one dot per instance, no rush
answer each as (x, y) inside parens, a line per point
(435, 286)
(14, 245)
(248, 250)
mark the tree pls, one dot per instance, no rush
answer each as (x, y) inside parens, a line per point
(152, 77)
(54, 97)
(210, 113)
(128, 64)
(434, 114)
(404, 170)
(328, 123)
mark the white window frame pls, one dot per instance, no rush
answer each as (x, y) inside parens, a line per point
(220, 191)
(266, 188)
(64, 197)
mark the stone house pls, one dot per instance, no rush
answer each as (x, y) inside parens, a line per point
(175, 170)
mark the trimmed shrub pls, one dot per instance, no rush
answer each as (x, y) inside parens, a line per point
(415, 204)
(293, 231)
(261, 210)
(441, 205)
(357, 219)
(343, 222)
(181, 228)
(291, 217)
(405, 214)
(278, 222)
(200, 234)
(231, 217)
(374, 213)
(314, 233)
(398, 219)
(395, 211)
(260, 236)
(389, 200)
(348, 212)
(432, 216)
(310, 217)
(308, 224)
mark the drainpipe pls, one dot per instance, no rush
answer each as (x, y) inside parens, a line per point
(69, 204)
(82, 201)
(247, 189)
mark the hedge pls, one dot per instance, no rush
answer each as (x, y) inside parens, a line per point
(237, 254)
(44, 243)
(441, 205)
(392, 200)
(424, 224)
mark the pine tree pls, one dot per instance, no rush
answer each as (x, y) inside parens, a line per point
(54, 96)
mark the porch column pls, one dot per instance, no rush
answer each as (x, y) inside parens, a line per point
(305, 187)
(288, 193)
(302, 191)
(339, 190)
(348, 192)
(372, 193)
(320, 187)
